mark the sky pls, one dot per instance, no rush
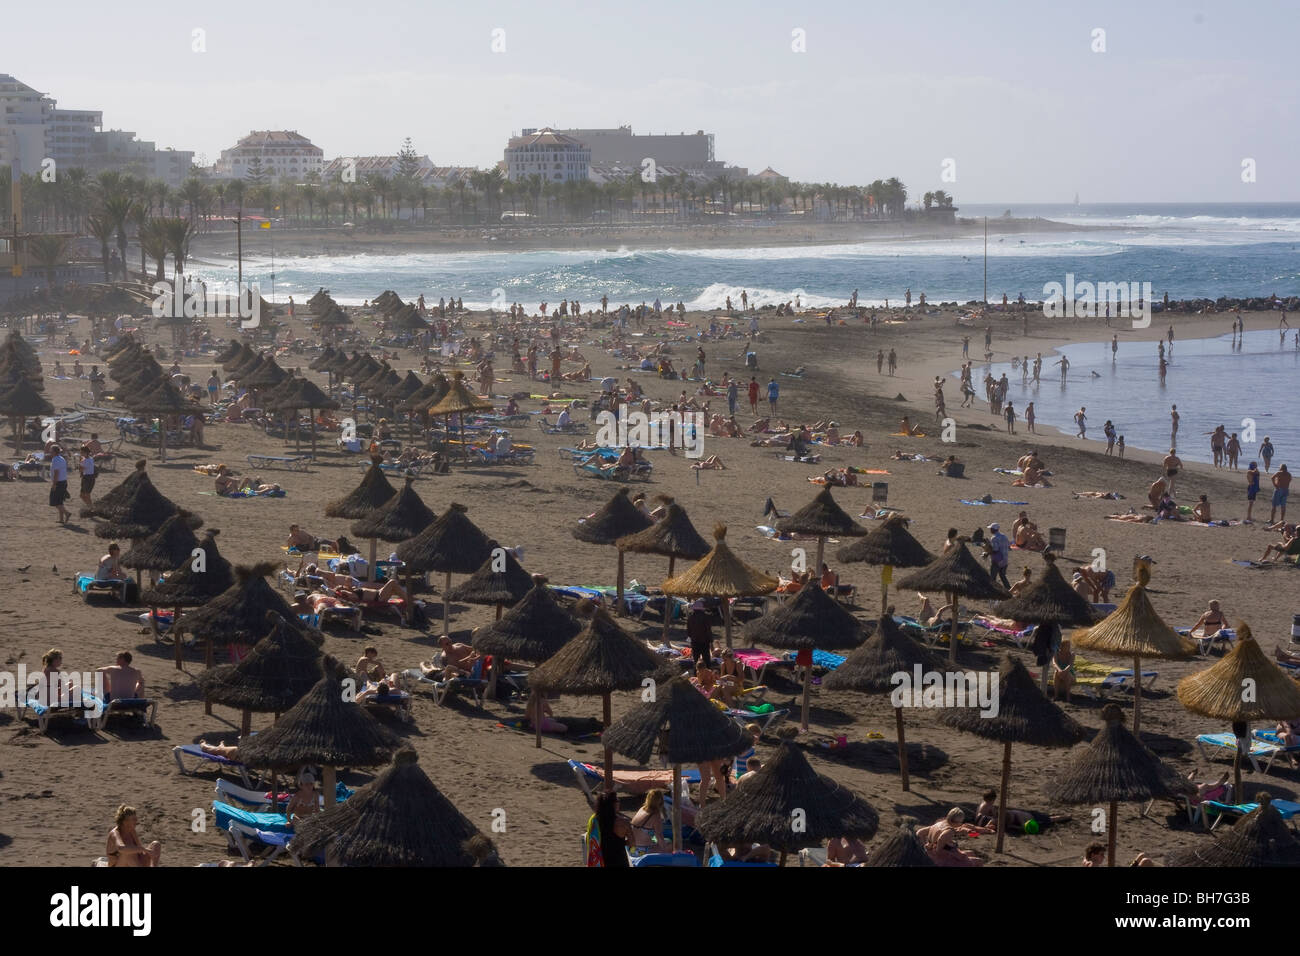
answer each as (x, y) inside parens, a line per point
(1017, 101)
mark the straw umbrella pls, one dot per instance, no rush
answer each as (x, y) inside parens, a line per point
(722, 575)
(788, 806)
(200, 578)
(398, 819)
(110, 502)
(453, 545)
(164, 400)
(272, 677)
(238, 358)
(141, 513)
(1024, 715)
(955, 574)
(304, 393)
(1135, 630)
(872, 667)
(402, 517)
(531, 631)
(499, 580)
(373, 492)
(1049, 601)
(812, 619)
(20, 402)
(602, 658)
(459, 400)
(168, 547)
(685, 726)
(1115, 766)
(900, 848)
(672, 536)
(1261, 839)
(617, 519)
(324, 729)
(891, 546)
(1244, 686)
(824, 518)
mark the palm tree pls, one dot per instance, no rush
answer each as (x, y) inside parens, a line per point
(102, 229)
(153, 242)
(117, 209)
(50, 252)
(179, 232)
(140, 218)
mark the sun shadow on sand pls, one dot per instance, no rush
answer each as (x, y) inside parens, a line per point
(881, 756)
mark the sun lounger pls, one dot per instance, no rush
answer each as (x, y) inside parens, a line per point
(1258, 748)
(756, 663)
(474, 684)
(290, 463)
(763, 717)
(573, 428)
(1224, 635)
(591, 777)
(1021, 637)
(1217, 810)
(87, 585)
(45, 715)
(145, 708)
(222, 763)
(680, 858)
(715, 859)
(232, 793)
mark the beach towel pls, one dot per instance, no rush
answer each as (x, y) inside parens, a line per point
(247, 493)
(906, 435)
(1014, 472)
(995, 501)
(806, 459)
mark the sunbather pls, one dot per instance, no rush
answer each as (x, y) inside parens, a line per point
(123, 682)
(457, 660)
(1024, 583)
(109, 569)
(1094, 855)
(227, 751)
(845, 851)
(125, 848)
(1289, 545)
(303, 541)
(986, 815)
(648, 821)
(303, 802)
(1063, 671)
(1212, 621)
(370, 596)
(940, 840)
(369, 667)
(549, 724)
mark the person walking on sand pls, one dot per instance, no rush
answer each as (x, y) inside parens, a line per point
(733, 392)
(1174, 418)
(1252, 489)
(1266, 452)
(880, 362)
(59, 483)
(1109, 431)
(1281, 488)
(1029, 418)
(965, 346)
(773, 393)
(893, 361)
(1173, 464)
(1011, 419)
(753, 395)
(1081, 419)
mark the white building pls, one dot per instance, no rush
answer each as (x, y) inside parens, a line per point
(284, 154)
(23, 114)
(366, 166)
(553, 156)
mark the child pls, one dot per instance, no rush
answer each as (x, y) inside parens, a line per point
(1119, 446)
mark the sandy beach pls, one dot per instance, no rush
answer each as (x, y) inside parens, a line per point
(70, 781)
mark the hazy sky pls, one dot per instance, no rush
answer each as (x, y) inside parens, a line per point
(1011, 91)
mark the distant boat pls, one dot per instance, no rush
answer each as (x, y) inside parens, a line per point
(1076, 199)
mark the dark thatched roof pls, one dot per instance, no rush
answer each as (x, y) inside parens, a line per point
(489, 586)
(888, 651)
(822, 517)
(190, 587)
(1260, 839)
(398, 819)
(602, 658)
(682, 722)
(373, 492)
(1115, 766)
(321, 362)
(111, 502)
(1050, 600)
(272, 677)
(812, 618)
(238, 615)
(403, 516)
(1024, 714)
(459, 398)
(617, 519)
(673, 535)
(140, 513)
(901, 848)
(955, 571)
(170, 546)
(322, 729)
(890, 543)
(452, 544)
(22, 400)
(303, 393)
(786, 789)
(533, 630)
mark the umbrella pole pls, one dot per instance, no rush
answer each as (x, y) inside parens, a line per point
(246, 724)
(884, 588)
(807, 687)
(821, 548)
(370, 569)
(446, 607)
(726, 619)
(1110, 836)
(1237, 795)
(176, 636)
(535, 702)
(609, 753)
(311, 420)
(329, 784)
(952, 639)
(410, 601)
(1137, 695)
(618, 608)
(677, 807)
(781, 862)
(902, 749)
(1002, 799)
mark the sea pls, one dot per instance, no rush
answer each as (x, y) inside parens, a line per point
(1238, 250)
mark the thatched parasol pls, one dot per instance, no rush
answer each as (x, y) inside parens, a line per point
(722, 575)
(453, 545)
(672, 536)
(1024, 715)
(299, 393)
(239, 358)
(1049, 601)
(398, 819)
(890, 546)
(788, 806)
(1244, 686)
(20, 402)
(110, 503)
(618, 519)
(163, 400)
(602, 658)
(373, 492)
(686, 728)
(1261, 839)
(201, 577)
(873, 668)
(403, 516)
(459, 400)
(272, 677)
(901, 848)
(811, 619)
(139, 512)
(1115, 766)
(326, 728)
(824, 518)
(1135, 630)
(956, 574)
(168, 547)
(499, 580)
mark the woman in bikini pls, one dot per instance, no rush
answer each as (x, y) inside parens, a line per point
(1063, 671)
(940, 839)
(1212, 621)
(124, 845)
(648, 822)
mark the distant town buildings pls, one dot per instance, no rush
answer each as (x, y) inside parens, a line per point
(280, 154)
(616, 154)
(554, 156)
(33, 129)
